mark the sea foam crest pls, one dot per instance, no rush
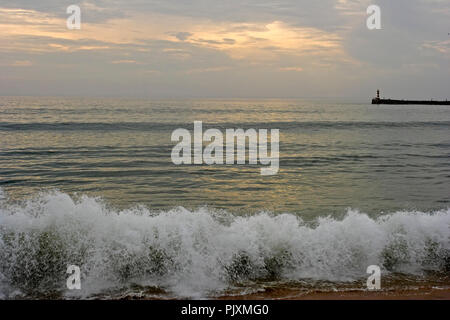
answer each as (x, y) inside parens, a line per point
(192, 253)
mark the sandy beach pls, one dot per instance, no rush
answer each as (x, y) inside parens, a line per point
(426, 293)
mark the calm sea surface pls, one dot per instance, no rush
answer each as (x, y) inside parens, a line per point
(332, 156)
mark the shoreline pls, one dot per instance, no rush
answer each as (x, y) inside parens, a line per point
(425, 293)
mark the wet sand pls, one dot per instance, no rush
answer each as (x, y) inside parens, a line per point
(425, 293)
(433, 286)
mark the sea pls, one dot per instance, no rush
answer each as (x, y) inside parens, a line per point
(89, 182)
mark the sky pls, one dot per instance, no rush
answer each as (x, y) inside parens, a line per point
(167, 49)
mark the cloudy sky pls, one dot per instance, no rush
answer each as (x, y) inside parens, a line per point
(225, 49)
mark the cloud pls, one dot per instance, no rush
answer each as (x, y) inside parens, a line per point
(211, 69)
(182, 35)
(296, 69)
(124, 62)
(20, 63)
(238, 40)
(439, 46)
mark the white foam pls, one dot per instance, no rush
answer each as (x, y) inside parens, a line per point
(192, 253)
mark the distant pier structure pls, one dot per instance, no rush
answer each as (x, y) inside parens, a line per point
(378, 100)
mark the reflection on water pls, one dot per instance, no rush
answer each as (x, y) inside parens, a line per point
(332, 155)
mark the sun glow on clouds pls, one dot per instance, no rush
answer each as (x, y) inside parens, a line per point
(295, 69)
(258, 41)
(252, 40)
(20, 22)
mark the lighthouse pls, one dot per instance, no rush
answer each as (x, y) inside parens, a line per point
(377, 99)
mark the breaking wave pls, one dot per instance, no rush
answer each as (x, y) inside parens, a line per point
(194, 253)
